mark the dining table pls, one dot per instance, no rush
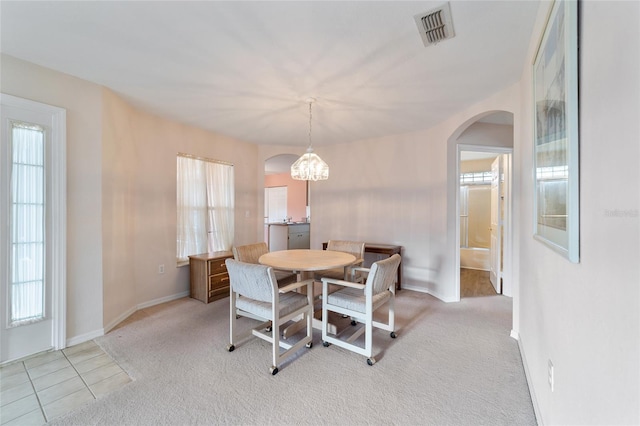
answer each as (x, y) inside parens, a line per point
(304, 262)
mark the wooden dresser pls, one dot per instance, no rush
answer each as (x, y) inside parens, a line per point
(208, 276)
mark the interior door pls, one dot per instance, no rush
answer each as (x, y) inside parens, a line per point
(26, 314)
(495, 268)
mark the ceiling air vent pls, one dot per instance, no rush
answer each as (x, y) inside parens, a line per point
(435, 25)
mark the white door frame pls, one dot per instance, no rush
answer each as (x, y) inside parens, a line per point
(495, 262)
(507, 277)
(57, 246)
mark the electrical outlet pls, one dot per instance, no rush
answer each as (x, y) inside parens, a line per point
(551, 378)
(161, 269)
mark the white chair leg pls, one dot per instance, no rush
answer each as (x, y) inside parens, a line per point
(232, 321)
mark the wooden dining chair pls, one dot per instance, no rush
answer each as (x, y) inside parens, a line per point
(255, 294)
(360, 301)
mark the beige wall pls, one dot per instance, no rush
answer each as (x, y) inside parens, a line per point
(83, 102)
(482, 165)
(479, 220)
(118, 197)
(121, 192)
(402, 191)
(585, 317)
(141, 201)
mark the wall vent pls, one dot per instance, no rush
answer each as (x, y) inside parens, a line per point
(435, 25)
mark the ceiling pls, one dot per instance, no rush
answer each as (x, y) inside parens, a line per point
(246, 69)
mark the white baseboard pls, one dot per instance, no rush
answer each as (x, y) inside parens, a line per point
(514, 334)
(119, 319)
(97, 333)
(426, 291)
(163, 300)
(76, 340)
(534, 400)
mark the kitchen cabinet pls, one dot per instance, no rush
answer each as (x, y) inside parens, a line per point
(289, 236)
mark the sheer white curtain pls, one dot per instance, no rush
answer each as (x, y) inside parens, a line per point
(205, 200)
(220, 201)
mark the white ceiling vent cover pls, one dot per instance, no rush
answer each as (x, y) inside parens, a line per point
(435, 25)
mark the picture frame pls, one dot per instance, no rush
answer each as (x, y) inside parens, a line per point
(556, 140)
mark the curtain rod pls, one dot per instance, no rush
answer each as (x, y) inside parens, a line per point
(211, 160)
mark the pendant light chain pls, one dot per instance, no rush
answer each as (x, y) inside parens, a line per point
(310, 115)
(309, 166)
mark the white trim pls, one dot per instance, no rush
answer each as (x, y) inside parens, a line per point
(57, 246)
(76, 340)
(59, 227)
(144, 305)
(163, 300)
(119, 319)
(507, 224)
(409, 287)
(527, 374)
(97, 333)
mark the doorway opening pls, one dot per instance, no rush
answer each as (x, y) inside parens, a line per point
(286, 204)
(484, 192)
(483, 139)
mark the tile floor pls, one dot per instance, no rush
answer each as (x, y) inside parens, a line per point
(41, 388)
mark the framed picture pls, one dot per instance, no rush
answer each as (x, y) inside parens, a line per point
(555, 156)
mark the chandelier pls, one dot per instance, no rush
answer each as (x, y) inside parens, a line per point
(309, 166)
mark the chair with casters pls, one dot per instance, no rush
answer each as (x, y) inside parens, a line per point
(360, 301)
(255, 294)
(250, 253)
(347, 273)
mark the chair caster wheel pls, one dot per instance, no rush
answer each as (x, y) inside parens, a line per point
(326, 344)
(230, 348)
(273, 371)
(371, 361)
(393, 335)
(309, 345)
(354, 322)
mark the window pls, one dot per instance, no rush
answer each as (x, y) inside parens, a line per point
(205, 200)
(480, 178)
(27, 204)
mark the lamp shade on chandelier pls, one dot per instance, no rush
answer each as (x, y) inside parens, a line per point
(309, 166)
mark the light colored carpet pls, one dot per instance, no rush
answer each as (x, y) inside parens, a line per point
(452, 364)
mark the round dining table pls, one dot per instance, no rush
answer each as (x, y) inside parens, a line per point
(304, 262)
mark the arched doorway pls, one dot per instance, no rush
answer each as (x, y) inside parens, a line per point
(489, 132)
(286, 201)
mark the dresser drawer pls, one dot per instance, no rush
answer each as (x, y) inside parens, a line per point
(219, 281)
(218, 293)
(218, 286)
(216, 266)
